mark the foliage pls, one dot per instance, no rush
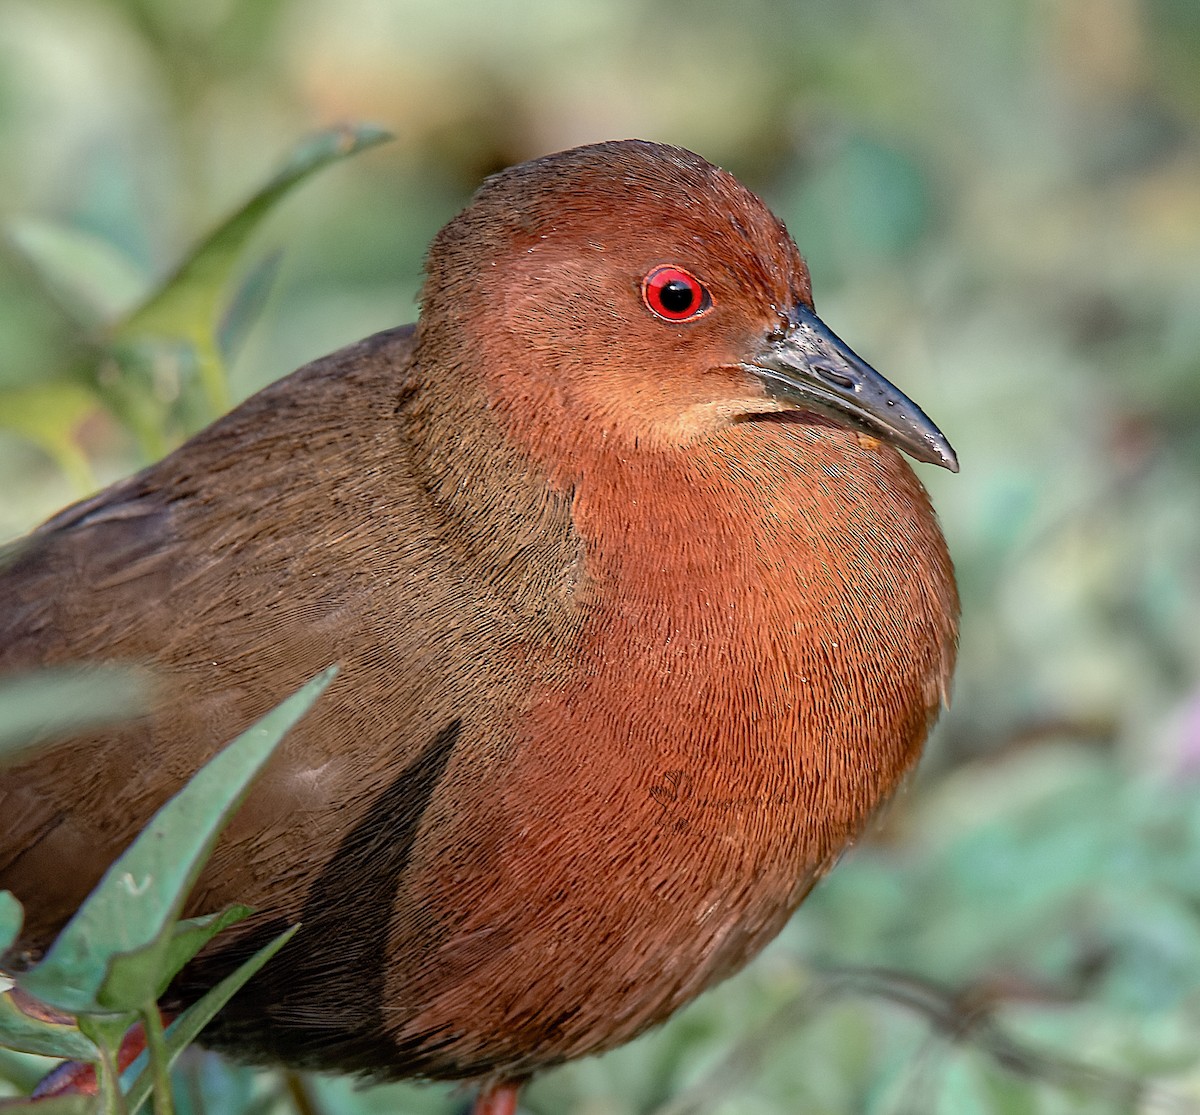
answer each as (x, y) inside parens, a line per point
(184, 328)
(111, 962)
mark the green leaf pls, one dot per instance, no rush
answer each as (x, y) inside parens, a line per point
(26, 1034)
(188, 303)
(48, 414)
(190, 936)
(186, 1028)
(110, 956)
(247, 304)
(92, 281)
(53, 703)
(11, 918)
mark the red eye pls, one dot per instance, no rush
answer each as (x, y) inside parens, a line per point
(675, 294)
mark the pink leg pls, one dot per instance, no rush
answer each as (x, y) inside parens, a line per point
(498, 1099)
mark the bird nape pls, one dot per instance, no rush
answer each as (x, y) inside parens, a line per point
(640, 614)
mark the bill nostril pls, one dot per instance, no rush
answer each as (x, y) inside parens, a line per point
(833, 375)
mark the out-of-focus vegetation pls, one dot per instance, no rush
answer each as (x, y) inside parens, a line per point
(107, 969)
(1000, 202)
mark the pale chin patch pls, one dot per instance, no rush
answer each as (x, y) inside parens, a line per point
(701, 420)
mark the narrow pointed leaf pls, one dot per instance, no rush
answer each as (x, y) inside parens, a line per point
(47, 704)
(26, 1034)
(247, 304)
(131, 913)
(188, 302)
(88, 277)
(189, 937)
(186, 1028)
(127, 975)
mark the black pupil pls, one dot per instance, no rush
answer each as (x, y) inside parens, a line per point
(677, 296)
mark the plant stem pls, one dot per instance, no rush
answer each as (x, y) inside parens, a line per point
(112, 1102)
(106, 1032)
(300, 1095)
(160, 1065)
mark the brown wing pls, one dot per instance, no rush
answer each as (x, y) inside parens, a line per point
(205, 569)
(331, 518)
(296, 532)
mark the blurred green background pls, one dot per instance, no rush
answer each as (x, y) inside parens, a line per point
(1000, 204)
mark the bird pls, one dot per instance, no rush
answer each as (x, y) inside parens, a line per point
(640, 612)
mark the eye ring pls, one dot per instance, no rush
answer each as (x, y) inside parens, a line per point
(675, 295)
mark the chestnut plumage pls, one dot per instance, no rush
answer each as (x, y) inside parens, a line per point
(640, 613)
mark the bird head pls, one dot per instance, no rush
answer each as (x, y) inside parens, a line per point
(629, 295)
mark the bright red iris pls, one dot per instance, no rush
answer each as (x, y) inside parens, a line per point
(675, 294)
